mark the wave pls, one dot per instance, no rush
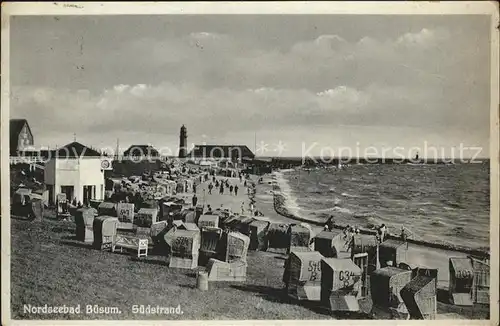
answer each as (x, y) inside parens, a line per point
(345, 194)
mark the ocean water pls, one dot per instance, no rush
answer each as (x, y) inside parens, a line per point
(439, 203)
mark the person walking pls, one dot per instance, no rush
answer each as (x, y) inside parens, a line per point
(236, 190)
(251, 209)
(243, 208)
(194, 187)
(231, 189)
(195, 200)
(221, 189)
(210, 187)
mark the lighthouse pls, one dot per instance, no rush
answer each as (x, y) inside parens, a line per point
(183, 142)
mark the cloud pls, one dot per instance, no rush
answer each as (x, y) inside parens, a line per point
(218, 83)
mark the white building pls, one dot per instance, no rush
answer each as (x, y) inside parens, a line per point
(77, 171)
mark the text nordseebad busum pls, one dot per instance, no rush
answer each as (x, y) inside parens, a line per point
(72, 310)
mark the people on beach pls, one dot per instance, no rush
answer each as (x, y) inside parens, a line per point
(194, 187)
(195, 200)
(245, 183)
(209, 209)
(217, 183)
(236, 190)
(241, 177)
(382, 232)
(221, 189)
(251, 208)
(231, 189)
(213, 179)
(243, 208)
(210, 187)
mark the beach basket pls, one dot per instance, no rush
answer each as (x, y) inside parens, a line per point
(208, 221)
(257, 233)
(386, 284)
(84, 220)
(125, 212)
(481, 285)
(107, 209)
(145, 217)
(326, 242)
(461, 281)
(235, 246)
(420, 298)
(302, 275)
(185, 246)
(394, 251)
(210, 244)
(340, 284)
(104, 228)
(278, 236)
(299, 236)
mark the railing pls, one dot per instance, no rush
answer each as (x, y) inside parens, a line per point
(26, 159)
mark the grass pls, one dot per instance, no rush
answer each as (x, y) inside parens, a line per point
(49, 267)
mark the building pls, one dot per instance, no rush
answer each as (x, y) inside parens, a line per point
(21, 137)
(141, 152)
(77, 171)
(234, 153)
(183, 142)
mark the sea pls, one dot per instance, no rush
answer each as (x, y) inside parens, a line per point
(435, 202)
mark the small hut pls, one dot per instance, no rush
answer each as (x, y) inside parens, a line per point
(210, 244)
(481, 284)
(278, 236)
(235, 246)
(299, 236)
(107, 209)
(340, 284)
(325, 243)
(257, 235)
(84, 220)
(145, 217)
(394, 251)
(208, 220)
(125, 212)
(302, 275)
(184, 246)
(104, 228)
(386, 284)
(461, 281)
(419, 296)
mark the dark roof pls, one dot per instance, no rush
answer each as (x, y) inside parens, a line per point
(219, 151)
(141, 150)
(15, 127)
(74, 150)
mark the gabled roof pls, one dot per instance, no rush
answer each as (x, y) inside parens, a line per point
(141, 150)
(74, 150)
(15, 127)
(219, 151)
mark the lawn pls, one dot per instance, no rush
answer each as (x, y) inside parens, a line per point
(49, 267)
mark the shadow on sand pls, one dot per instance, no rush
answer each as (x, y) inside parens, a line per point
(279, 295)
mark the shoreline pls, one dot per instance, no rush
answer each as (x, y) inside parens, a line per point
(280, 206)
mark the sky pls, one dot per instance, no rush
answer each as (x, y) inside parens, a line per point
(283, 85)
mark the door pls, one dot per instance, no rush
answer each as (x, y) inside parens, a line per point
(69, 191)
(361, 260)
(88, 194)
(50, 189)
